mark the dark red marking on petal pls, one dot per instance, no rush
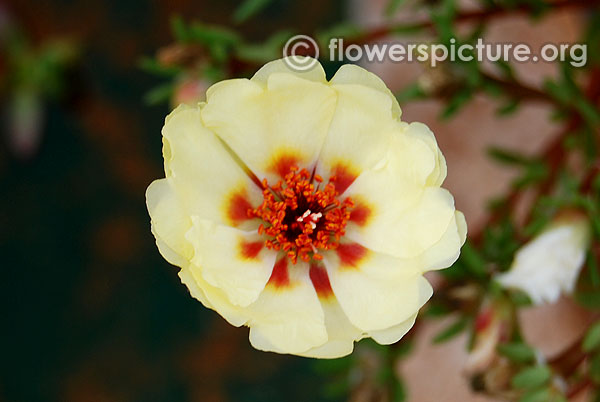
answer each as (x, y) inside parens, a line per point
(350, 254)
(280, 276)
(344, 177)
(250, 250)
(320, 281)
(283, 164)
(360, 214)
(238, 207)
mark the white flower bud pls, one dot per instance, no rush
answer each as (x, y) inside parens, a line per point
(551, 262)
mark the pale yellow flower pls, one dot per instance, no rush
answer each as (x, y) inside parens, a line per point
(305, 209)
(550, 263)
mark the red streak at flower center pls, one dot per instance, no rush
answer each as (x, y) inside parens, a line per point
(302, 218)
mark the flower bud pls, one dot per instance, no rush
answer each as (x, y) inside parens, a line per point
(551, 262)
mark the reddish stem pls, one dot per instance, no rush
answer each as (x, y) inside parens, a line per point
(554, 156)
(479, 16)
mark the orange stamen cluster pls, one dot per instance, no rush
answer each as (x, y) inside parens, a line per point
(301, 218)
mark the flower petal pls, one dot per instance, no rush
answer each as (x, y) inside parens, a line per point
(395, 333)
(169, 221)
(446, 251)
(376, 291)
(188, 280)
(216, 299)
(274, 127)
(340, 332)
(288, 316)
(341, 335)
(232, 260)
(359, 134)
(167, 252)
(396, 228)
(406, 215)
(203, 172)
(316, 73)
(423, 134)
(388, 190)
(353, 74)
(259, 341)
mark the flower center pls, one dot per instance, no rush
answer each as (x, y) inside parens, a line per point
(302, 216)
